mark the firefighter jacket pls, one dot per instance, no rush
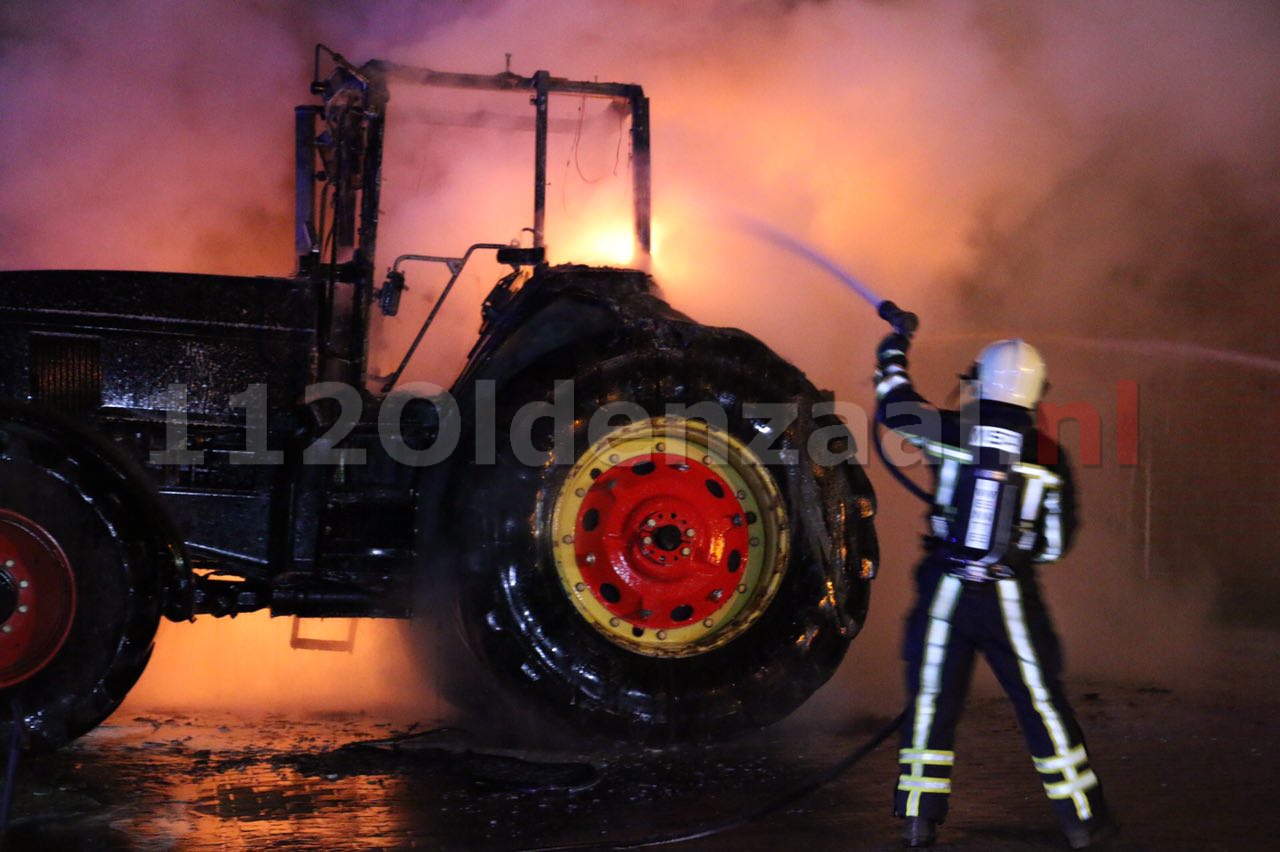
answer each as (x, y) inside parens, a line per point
(1003, 496)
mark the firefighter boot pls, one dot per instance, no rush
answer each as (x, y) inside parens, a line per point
(1095, 831)
(918, 831)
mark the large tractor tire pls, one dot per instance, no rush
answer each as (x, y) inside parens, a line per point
(79, 599)
(658, 577)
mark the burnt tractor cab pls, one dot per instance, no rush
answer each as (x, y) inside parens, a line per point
(652, 527)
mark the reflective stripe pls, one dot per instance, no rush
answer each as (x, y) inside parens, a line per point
(922, 784)
(1072, 788)
(889, 384)
(1058, 762)
(1029, 667)
(939, 524)
(1052, 530)
(930, 756)
(889, 353)
(1031, 495)
(894, 369)
(947, 482)
(945, 451)
(944, 605)
(1035, 471)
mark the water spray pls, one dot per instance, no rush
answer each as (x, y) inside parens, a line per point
(903, 322)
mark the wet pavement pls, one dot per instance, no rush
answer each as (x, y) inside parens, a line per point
(1185, 767)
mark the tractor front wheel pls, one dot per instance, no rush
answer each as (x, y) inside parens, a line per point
(681, 566)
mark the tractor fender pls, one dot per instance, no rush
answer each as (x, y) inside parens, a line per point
(565, 306)
(117, 476)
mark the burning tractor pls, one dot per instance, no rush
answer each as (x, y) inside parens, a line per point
(636, 537)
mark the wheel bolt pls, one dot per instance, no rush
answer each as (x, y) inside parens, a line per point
(651, 523)
(648, 539)
(684, 551)
(691, 532)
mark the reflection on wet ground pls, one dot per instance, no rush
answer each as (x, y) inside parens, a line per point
(1186, 769)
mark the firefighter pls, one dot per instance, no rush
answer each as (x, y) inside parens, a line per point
(1002, 503)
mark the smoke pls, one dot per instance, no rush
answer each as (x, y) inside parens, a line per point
(1053, 170)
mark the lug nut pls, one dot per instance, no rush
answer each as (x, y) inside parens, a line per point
(691, 532)
(648, 539)
(22, 584)
(7, 628)
(23, 608)
(685, 551)
(651, 523)
(8, 563)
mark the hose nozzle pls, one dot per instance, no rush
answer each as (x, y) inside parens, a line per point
(903, 322)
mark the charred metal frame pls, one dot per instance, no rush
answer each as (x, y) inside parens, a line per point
(347, 319)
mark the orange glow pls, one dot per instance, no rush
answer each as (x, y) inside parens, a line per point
(604, 244)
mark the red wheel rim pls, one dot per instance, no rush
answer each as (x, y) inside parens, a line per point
(37, 598)
(668, 536)
(661, 540)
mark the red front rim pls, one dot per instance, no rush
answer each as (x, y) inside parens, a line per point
(668, 536)
(37, 598)
(661, 540)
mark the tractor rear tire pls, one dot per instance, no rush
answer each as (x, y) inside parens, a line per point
(79, 597)
(660, 580)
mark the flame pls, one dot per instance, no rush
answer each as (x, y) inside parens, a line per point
(605, 244)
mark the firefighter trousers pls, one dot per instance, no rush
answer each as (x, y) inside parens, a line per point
(1007, 622)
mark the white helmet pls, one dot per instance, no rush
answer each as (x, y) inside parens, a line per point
(1010, 371)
